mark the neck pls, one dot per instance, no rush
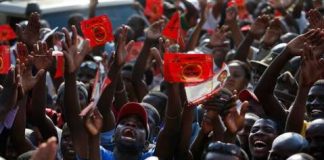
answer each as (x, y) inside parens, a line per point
(254, 158)
(126, 155)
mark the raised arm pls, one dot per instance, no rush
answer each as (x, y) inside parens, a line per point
(231, 21)
(152, 35)
(92, 8)
(265, 89)
(311, 69)
(258, 28)
(73, 59)
(167, 139)
(106, 99)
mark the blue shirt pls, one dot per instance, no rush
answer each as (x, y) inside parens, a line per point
(108, 155)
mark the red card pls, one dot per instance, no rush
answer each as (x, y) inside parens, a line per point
(172, 29)
(59, 67)
(6, 33)
(4, 59)
(98, 30)
(135, 51)
(188, 68)
(154, 9)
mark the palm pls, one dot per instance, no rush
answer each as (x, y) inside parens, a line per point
(30, 35)
(72, 56)
(43, 58)
(154, 31)
(295, 46)
(260, 26)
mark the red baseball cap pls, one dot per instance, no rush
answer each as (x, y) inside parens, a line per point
(246, 95)
(133, 108)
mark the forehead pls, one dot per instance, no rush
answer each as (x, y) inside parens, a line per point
(133, 118)
(265, 123)
(235, 67)
(317, 90)
(316, 129)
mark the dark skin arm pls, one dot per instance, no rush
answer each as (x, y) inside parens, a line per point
(42, 60)
(257, 30)
(92, 8)
(120, 94)
(193, 40)
(106, 99)
(166, 143)
(183, 148)
(73, 59)
(265, 89)
(310, 72)
(231, 21)
(152, 36)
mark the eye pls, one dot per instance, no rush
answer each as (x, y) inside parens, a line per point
(269, 130)
(311, 98)
(254, 129)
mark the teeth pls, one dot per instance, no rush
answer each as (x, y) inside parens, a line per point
(259, 144)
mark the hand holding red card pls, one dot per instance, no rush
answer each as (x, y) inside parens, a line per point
(6, 33)
(187, 68)
(4, 59)
(98, 30)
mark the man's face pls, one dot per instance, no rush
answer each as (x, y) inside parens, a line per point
(130, 134)
(315, 138)
(315, 102)
(262, 134)
(67, 146)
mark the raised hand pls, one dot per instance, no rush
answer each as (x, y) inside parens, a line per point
(219, 36)
(259, 26)
(315, 19)
(311, 67)
(22, 52)
(30, 35)
(72, 56)
(203, 10)
(234, 120)
(272, 34)
(92, 119)
(157, 56)
(122, 48)
(296, 46)
(9, 94)
(155, 29)
(46, 150)
(43, 58)
(28, 81)
(231, 14)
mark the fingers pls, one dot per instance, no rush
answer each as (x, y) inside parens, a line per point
(74, 35)
(129, 46)
(244, 108)
(67, 42)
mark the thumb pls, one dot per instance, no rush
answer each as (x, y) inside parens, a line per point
(244, 108)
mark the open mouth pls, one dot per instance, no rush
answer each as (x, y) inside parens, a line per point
(128, 134)
(260, 145)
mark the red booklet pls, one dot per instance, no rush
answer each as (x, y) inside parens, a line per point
(6, 33)
(4, 59)
(187, 68)
(98, 30)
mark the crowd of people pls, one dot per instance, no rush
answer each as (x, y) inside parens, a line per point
(95, 103)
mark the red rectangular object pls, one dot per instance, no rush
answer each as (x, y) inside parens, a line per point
(4, 59)
(6, 33)
(187, 68)
(98, 30)
(154, 9)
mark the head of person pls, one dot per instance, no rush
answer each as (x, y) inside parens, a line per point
(130, 34)
(132, 130)
(158, 100)
(315, 100)
(137, 23)
(66, 145)
(286, 145)
(243, 135)
(240, 76)
(222, 151)
(154, 120)
(301, 156)
(75, 20)
(82, 92)
(191, 16)
(315, 138)
(87, 72)
(262, 134)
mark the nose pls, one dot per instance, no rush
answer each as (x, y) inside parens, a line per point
(131, 124)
